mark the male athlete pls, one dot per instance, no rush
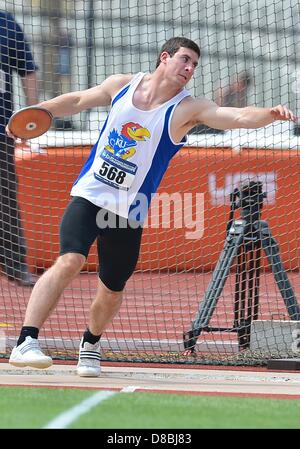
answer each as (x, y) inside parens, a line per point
(150, 115)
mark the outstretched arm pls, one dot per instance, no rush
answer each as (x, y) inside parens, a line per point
(74, 102)
(211, 114)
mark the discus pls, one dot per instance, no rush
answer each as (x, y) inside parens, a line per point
(30, 122)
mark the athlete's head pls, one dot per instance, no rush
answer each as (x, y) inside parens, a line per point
(172, 46)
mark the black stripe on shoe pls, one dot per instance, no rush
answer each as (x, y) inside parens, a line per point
(89, 355)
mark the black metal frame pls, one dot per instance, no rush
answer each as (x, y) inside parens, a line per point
(245, 239)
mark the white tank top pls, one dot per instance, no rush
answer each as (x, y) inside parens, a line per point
(132, 153)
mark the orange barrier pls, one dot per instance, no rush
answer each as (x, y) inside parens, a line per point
(45, 181)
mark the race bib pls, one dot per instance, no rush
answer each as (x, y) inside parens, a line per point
(114, 171)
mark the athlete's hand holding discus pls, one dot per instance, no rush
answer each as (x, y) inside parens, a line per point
(29, 123)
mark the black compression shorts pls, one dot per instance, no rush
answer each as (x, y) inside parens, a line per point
(118, 242)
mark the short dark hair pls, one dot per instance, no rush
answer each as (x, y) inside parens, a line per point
(172, 46)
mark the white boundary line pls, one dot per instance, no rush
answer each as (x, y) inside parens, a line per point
(66, 418)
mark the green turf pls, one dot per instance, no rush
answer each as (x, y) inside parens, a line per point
(161, 411)
(28, 408)
(35, 407)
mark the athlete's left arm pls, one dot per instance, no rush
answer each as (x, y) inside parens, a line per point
(75, 102)
(214, 116)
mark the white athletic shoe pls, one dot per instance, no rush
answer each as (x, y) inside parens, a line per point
(29, 354)
(89, 360)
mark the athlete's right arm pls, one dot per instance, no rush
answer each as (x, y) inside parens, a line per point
(74, 102)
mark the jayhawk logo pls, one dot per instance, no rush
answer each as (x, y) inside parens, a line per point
(122, 145)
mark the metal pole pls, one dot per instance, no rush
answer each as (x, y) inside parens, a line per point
(90, 19)
(90, 41)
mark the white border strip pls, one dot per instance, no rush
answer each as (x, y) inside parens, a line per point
(65, 419)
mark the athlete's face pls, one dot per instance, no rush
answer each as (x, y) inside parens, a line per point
(181, 66)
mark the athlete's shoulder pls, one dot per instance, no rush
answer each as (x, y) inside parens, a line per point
(187, 112)
(120, 79)
(114, 83)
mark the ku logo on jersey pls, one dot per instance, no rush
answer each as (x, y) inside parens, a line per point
(123, 144)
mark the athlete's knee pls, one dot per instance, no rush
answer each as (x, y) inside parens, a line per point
(71, 262)
(112, 286)
(115, 279)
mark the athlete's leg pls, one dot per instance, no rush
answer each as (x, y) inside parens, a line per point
(118, 250)
(104, 307)
(49, 287)
(78, 231)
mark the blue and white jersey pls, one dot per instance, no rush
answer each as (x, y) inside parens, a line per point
(131, 155)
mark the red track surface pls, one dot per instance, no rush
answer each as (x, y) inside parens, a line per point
(156, 306)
